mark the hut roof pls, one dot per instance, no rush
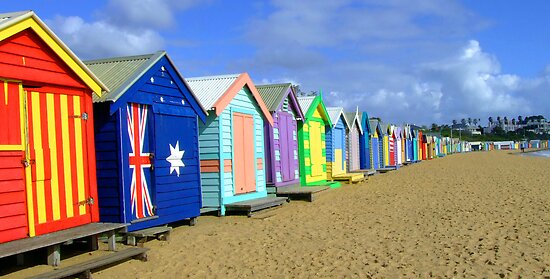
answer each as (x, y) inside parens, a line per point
(274, 94)
(335, 113)
(310, 103)
(216, 92)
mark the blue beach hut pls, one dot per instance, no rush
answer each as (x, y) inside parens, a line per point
(365, 143)
(146, 142)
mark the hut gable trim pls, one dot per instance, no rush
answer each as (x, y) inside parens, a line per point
(355, 120)
(216, 92)
(13, 23)
(310, 104)
(335, 114)
(274, 95)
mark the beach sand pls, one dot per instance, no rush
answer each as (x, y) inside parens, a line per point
(481, 214)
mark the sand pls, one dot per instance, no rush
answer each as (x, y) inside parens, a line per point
(483, 214)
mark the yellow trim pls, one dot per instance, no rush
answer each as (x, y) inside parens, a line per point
(55, 46)
(79, 155)
(66, 145)
(52, 143)
(39, 157)
(28, 175)
(6, 92)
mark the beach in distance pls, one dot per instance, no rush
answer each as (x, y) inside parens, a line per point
(476, 215)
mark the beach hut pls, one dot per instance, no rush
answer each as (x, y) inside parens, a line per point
(409, 144)
(353, 149)
(389, 146)
(47, 158)
(281, 139)
(312, 142)
(231, 140)
(365, 143)
(336, 147)
(147, 142)
(398, 146)
(377, 143)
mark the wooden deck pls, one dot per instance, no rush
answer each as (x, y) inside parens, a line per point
(350, 177)
(368, 172)
(84, 269)
(251, 206)
(56, 238)
(297, 192)
(386, 169)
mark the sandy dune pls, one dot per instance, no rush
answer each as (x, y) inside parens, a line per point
(466, 215)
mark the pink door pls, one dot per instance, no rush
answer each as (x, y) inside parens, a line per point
(244, 167)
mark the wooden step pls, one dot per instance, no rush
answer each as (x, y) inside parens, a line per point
(253, 205)
(140, 237)
(297, 192)
(84, 269)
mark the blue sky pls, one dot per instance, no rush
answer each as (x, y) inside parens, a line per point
(404, 61)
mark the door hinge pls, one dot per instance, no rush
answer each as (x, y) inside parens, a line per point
(83, 116)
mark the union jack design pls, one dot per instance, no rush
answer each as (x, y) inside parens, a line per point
(139, 161)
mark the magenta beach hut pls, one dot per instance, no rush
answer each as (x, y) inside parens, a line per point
(281, 139)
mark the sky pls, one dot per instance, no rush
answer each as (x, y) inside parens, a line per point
(404, 61)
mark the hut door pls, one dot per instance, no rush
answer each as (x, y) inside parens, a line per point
(58, 147)
(13, 208)
(140, 153)
(315, 149)
(243, 152)
(287, 146)
(339, 146)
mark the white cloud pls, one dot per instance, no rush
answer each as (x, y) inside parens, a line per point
(101, 39)
(401, 60)
(122, 27)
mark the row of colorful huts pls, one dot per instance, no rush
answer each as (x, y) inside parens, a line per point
(130, 140)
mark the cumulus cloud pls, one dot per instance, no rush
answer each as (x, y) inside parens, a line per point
(122, 27)
(408, 61)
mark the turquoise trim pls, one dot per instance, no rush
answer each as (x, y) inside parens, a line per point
(245, 197)
(222, 191)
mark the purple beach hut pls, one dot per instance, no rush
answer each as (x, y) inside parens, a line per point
(281, 139)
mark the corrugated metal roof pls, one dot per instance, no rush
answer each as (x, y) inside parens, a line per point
(305, 102)
(334, 113)
(120, 73)
(273, 94)
(7, 17)
(209, 89)
(350, 116)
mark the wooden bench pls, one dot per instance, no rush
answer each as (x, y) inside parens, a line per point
(140, 237)
(84, 269)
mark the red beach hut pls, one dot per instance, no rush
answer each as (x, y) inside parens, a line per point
(47, 161)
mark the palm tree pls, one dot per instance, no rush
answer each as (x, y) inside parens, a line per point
(475, 121)
(506, 120)
(469, 121)
(463, 121)
(520, 119)
(499, 120)
(490, 121)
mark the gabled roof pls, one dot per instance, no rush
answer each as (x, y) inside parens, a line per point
(365, 123)
(216, 92)
(335, 113)
(376, 124)
(13, 23)
(310, 103)
(121, 73)
(274, 95)
(355, 119)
